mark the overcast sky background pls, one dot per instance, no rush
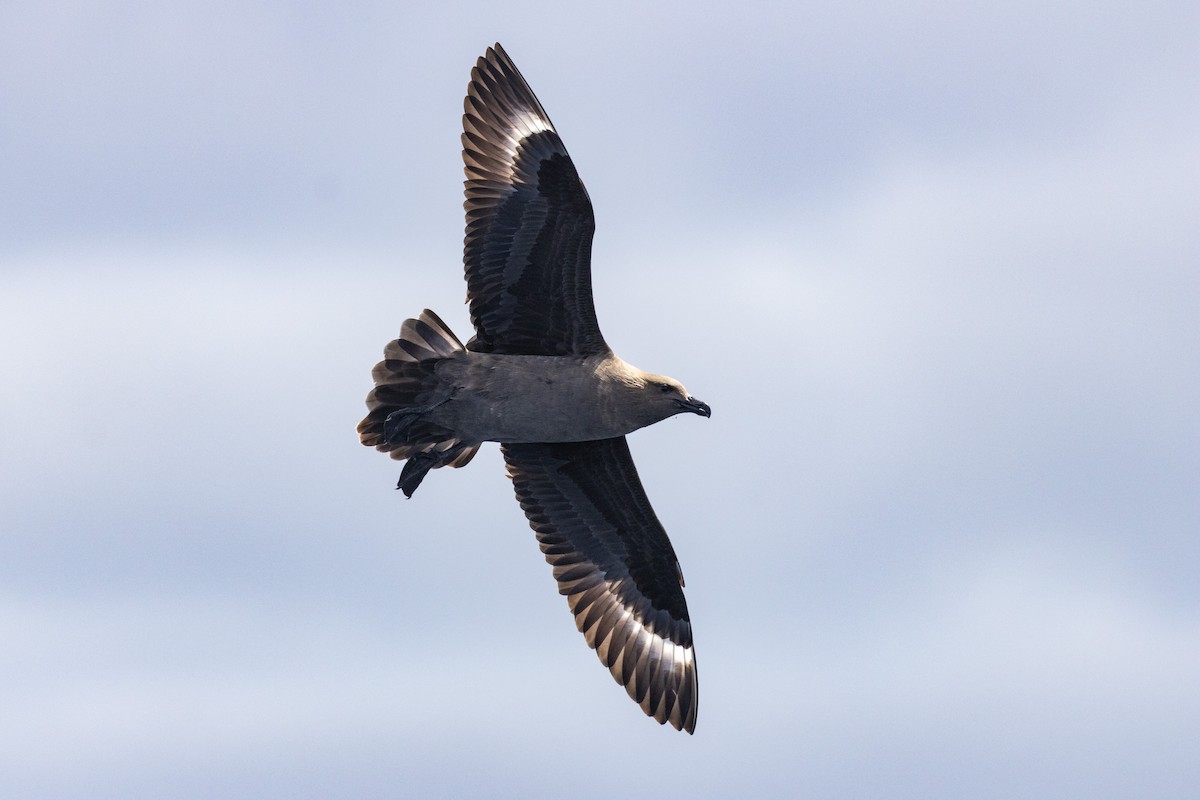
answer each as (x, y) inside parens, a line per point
(936, 269)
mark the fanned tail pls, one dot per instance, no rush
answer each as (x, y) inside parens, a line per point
(406, 389)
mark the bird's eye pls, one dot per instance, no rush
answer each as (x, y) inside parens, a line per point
(664, 388)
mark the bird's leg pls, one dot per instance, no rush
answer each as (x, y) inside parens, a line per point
(397, 424)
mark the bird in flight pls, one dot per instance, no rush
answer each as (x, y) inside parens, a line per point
(538, 378)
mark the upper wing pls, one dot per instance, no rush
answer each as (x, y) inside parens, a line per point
(613, 561)
(529, 223)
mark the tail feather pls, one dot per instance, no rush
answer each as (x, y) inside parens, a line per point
(406, 389)
(424, 338)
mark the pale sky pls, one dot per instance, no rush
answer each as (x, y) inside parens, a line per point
(936, 269)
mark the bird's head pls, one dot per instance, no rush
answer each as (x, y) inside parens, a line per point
(669, 395)
(643, 398)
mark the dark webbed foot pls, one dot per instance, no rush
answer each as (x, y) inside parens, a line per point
(415, 470)
(418, 466)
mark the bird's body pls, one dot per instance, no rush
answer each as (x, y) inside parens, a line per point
(502, 398)
(539, 378)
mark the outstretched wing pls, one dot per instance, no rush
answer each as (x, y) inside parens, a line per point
(613, 561)
(529, 223)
